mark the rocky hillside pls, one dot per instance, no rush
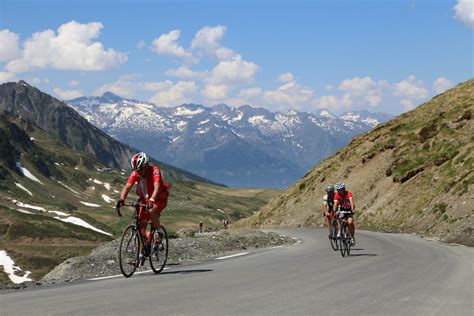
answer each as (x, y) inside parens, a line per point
(413, 174)
(244, 146)
(69, 127)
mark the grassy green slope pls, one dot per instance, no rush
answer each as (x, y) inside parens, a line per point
(39, 241)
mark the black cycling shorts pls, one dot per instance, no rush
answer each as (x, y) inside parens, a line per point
(346, 214)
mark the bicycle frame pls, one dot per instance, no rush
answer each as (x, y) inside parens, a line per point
(345, 240)
(137, 222)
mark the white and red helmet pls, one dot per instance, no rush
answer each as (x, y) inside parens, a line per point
(139, 161)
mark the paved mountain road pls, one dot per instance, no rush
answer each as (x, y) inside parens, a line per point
(387, 274)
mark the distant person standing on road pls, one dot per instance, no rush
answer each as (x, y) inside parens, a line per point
(200, 227)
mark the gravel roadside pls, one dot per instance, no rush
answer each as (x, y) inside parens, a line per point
(103, 261)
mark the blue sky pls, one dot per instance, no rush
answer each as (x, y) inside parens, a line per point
(386, 56)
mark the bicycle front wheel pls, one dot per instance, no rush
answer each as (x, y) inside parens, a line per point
(159, 254)
(129, 251)
(347, 238)
(342, 242)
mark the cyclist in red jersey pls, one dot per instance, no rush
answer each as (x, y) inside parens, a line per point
(343, 200)
(328, 205)
(151, 189)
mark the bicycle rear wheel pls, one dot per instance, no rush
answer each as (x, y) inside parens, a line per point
(159, 253)
(129, 251)
(333, 236)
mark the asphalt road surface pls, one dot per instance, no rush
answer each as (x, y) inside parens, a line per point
(386, 274)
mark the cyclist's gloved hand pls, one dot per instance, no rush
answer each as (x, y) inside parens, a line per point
(150, 203)
(120, 203)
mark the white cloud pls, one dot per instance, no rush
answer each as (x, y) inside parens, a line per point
(74, 83)
(67, 94)
(72, 48)
(207, 42)
(224, 53)
(250, 92)
(215, 92)
(184, 72)
(441, 84)
(177, 94)
(358, 85)
(234, 71)
(246, 96)
(373, 100)
(9, 47)
(37, 81)
(141, 44)
(208, 37)
(410, 89)
(290, 95)
(333, 102)
(6, 76)
(166, 44)
(465, 12)
(286, 77)
(365, 89)
(126, 86)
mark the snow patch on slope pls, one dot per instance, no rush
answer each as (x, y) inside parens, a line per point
(27, 173)
(23, 188)
(12, 270)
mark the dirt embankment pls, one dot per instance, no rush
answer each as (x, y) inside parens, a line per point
(103, 261)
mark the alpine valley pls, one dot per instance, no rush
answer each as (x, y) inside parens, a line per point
(241, 147)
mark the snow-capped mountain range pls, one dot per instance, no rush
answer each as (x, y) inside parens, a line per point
(244, 146)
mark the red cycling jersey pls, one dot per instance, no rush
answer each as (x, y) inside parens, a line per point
(146, 184)
(145, 188)
(343, 199)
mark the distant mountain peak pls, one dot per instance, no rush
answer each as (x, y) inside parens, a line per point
(111, 97)
(325, 113)
(23, 82)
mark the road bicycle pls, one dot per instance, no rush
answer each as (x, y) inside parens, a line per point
(345, 238)
(333, 231)
(135, 247)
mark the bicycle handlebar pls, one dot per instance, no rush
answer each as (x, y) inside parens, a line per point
(134, 204)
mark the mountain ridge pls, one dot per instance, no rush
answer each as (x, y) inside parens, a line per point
(282, 145)
(67, 125)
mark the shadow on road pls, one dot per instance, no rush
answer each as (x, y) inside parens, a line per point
(187, 271)
(361, 254)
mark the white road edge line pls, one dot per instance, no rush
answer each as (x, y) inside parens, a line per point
(119, 275)
(275, 247)
(231, 256)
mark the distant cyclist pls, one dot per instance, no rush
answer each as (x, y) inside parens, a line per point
(343, 200)
(151, 189)
(328, 205)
